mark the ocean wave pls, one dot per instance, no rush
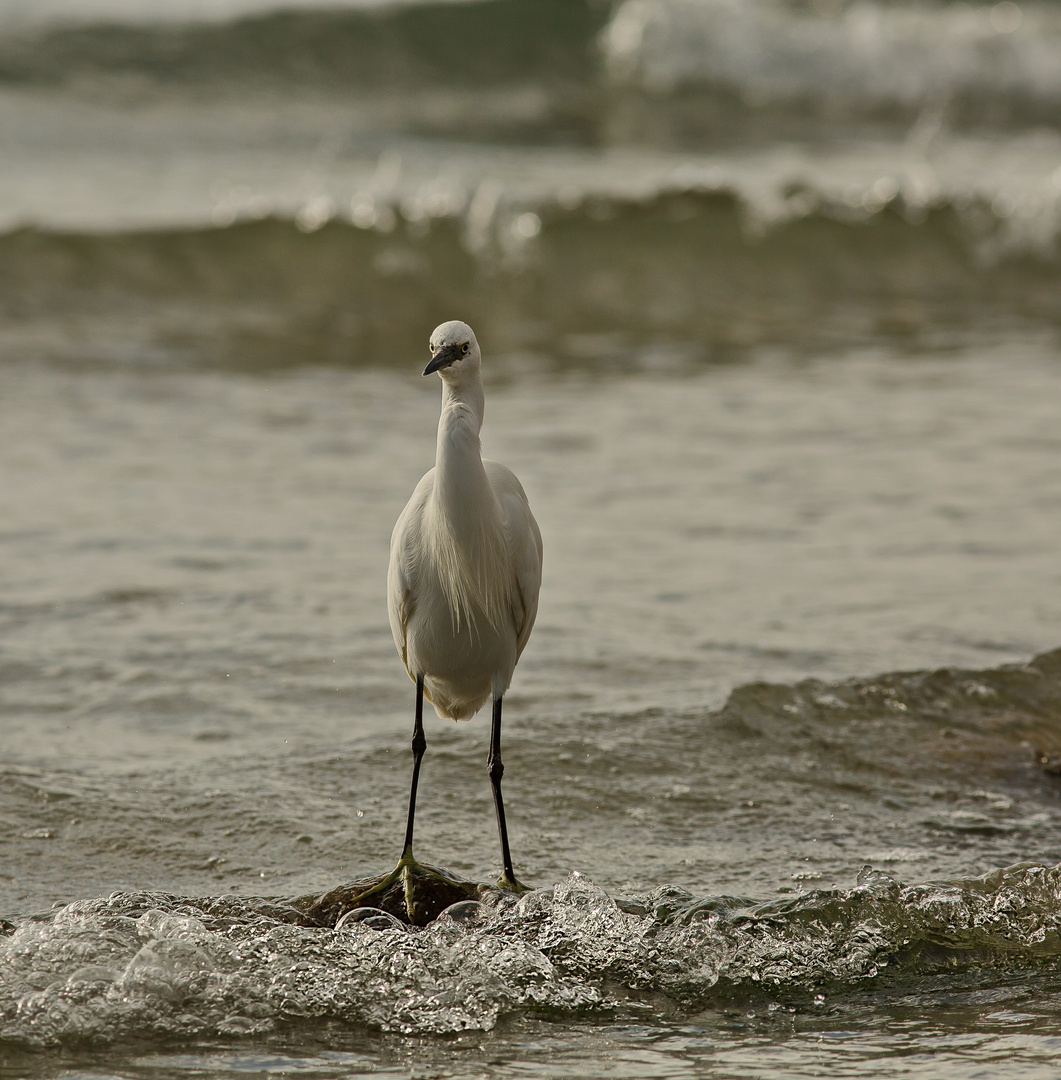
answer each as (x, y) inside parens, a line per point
(1019, 703)
(677, 72)
(137, 964)
(994, 64)
(146, 964)
(428, 45)
(695, 268)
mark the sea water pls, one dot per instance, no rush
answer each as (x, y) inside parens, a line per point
(770, 334)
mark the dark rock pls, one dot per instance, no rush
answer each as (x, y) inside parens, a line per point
(414, 893)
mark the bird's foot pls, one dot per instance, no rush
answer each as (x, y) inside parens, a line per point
(512, 884)
(413, 892)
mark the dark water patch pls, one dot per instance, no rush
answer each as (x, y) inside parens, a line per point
(675, 280)
(402, 60)
(945, 769)
(373, 48)
(1019, 704)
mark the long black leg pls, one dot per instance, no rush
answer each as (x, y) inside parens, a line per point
(497, 770)
(419, 746)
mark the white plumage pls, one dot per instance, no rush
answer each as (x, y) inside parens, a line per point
(466, 553)
(465, 563)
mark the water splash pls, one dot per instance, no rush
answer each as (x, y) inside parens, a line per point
(150, 965)
(843, 60)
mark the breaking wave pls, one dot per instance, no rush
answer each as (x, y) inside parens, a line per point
(145, 964)
(697, 270)
(968, 64)
(138, 965)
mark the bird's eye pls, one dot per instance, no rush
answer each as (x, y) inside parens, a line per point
(464, 351)
(432, 347)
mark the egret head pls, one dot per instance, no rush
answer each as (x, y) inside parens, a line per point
(454, 351)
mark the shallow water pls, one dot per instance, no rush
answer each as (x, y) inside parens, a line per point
(768, 296)
(201, 698)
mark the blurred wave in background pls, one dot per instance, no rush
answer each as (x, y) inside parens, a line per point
(219, 182)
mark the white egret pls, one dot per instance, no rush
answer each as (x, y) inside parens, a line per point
(465, 570)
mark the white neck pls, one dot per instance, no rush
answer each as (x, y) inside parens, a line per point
(458, 452)
(468, 540)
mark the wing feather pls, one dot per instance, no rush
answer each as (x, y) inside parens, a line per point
(524, 541)
(402, 570)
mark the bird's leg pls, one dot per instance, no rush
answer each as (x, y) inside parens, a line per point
(413, 891)
(417, 892)
(419, 746)
(406, 864)
(497, 770)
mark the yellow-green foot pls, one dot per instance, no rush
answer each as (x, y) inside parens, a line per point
(413, 892)
(512, 885)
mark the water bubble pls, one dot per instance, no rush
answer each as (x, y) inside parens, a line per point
(93, 973)
(498, 899)
(370, 917)
(154, 923)
(536, 903)
(464, 912)
(241, 1025)
(143, 963)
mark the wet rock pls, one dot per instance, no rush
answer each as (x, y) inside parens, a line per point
(415, 893)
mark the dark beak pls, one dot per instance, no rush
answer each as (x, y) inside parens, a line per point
(443, 358)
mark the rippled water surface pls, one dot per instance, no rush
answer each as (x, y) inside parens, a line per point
(768, 299)
(201, 699)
